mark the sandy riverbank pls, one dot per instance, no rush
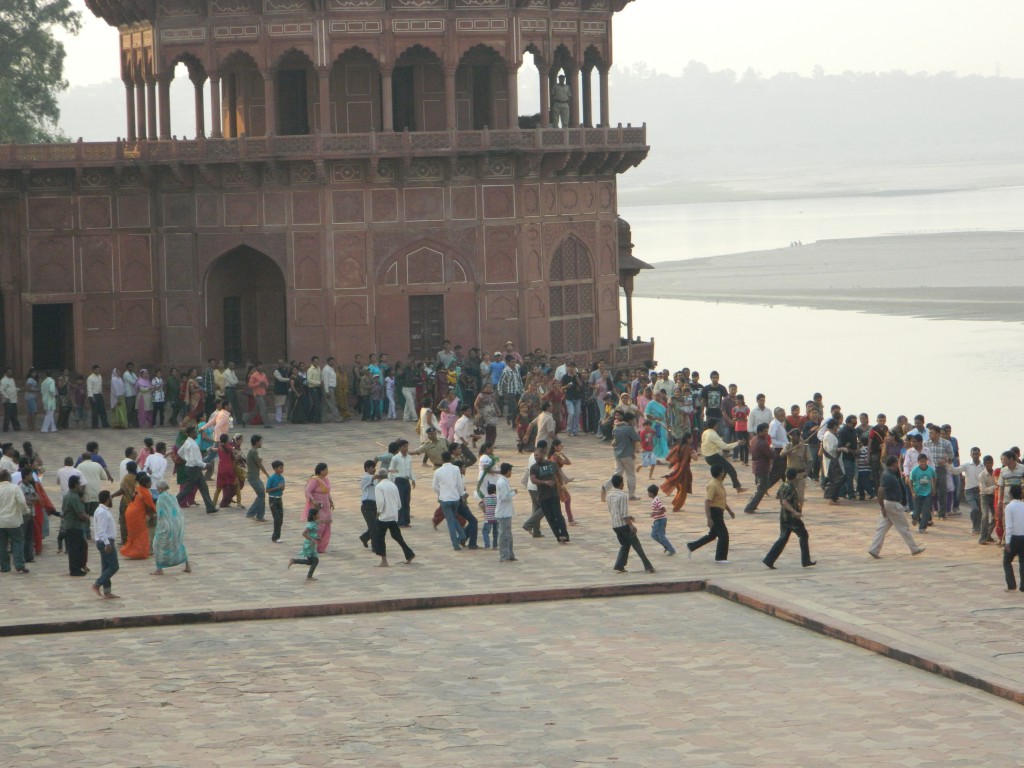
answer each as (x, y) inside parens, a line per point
(969, 276)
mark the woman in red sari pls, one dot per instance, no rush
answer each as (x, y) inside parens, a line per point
(679, 480)
(137, 515)
(227, 480)
(556, 397)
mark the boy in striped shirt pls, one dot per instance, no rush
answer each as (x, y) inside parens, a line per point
(659, 520)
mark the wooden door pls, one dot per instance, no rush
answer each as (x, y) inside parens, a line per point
(426, 325)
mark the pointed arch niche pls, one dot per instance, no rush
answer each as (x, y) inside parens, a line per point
(571, 298)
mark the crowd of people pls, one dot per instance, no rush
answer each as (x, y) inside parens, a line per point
(652, 418)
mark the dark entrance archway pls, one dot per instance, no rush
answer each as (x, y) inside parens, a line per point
(245, 313)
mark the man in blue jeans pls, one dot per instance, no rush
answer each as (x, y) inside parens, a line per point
(450, 488)
(253, 467)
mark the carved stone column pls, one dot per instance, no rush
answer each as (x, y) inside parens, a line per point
(129, 104)
(326, 123)
(605, 107)
(585, 92)
(151, 108)
(164, 82)
(140, 108)
(270, 101)
(574, 100)
(513, 96)
(215, 113)
(387, 100)
(450, 113)
(545, 97)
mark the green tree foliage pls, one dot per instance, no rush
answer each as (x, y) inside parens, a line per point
(32, 68)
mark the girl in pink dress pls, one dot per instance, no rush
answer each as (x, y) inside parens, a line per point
(449, 408)
(318, 495)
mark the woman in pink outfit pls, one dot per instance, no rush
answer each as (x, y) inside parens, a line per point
(318, 496)
(449, 408)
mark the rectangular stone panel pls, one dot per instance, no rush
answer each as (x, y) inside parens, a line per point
(606, 196)
(588, 197)
(94, 211)
(136, 262)
(306, 207)
(350, 259)
(50, 213)
(51, 263)
(348, 206)
(242, 209)
(309, 308)
(351, 311)
(98, 313)
(385, 205)
(501, 248)
(307, 258)
(275, 209)
(424, 204)
(179, 262)
(499, 201)
(137, 313)
(179, 211)
(97, 263)
(549, 200)
(464, 203)
(132, 211)
(569, 198)
(209, 210)
(178, 312)
(529, 200)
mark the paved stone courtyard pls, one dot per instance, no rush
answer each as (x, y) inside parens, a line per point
(734, 688)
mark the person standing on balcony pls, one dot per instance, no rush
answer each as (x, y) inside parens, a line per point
(561, 93)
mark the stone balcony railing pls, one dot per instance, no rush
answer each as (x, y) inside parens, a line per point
(325, 147)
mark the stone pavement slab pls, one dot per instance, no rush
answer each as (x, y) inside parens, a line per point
(651, 681)
(948, 604)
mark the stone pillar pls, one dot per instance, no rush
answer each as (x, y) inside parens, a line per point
(151, 108)
(588, 106)
(129, 105)
(451, 115)
(270, 101)
(605, 109)
(165, 105)
(545, 98)
(215, 131)
(387, 101)
(140, 109)
(326, 123)
(231, 99)
(574, 99)
(513, 97)
(197, 84)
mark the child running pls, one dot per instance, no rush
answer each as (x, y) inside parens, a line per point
(310, 536)
(659, 520)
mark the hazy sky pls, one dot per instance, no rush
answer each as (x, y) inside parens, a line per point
(974, 37)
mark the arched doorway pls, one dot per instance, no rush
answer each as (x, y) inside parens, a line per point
(245, 312)
(571, 295)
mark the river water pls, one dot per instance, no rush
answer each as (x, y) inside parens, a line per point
(963, 373)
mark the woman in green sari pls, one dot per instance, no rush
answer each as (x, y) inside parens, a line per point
(169, 539)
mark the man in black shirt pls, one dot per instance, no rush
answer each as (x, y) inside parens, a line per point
(572, 386)
(892, 503)
(714, 394)
(544, 474)
(849, 447)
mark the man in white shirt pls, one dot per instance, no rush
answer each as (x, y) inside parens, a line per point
(12, 528)
(230, 390)
(194, 466)
(9, 393)
(130, 456)
(503, 514)
(156, 464)
(389, 502)
(759, 415)
(131, 383)
(450, 488)
(400, 470)
(314, 384)
(330, 380)
(94, 391)
(92, 474)
(464, 429)
(104, 534)
(65, 473)
(1014, 537)
(970, 472)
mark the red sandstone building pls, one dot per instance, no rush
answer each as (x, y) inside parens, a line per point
(358, 181)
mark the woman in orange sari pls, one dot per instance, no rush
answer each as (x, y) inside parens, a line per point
(139, 512)
(679, 480)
